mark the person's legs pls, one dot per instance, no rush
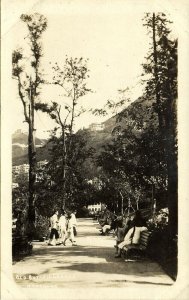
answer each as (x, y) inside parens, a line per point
(75, 231)
(51, 237)
(57, 237)
(72, 238)
(118, 253)
(121, 233)
(63, 234)
(67, 236)
(105, 228)
(119, 248)
(120, 238)
(116, 246)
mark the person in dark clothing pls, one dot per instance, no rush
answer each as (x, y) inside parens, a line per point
(111, 225)
(104, 217)
(138, 219)
(121, 230)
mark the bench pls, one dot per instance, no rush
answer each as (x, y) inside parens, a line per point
(137, 250)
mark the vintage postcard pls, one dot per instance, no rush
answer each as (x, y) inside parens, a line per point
(94, 144)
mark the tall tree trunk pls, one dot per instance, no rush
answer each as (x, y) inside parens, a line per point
(121, 206)
(66, 151)
(161, 151)
(64, 187)
(172, 166)
(157, 87)
(32, 171)
(172, 187)
(64, 163)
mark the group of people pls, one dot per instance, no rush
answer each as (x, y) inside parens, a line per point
(127, 230)
(62, 228)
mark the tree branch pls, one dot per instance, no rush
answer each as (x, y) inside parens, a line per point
(22, 99)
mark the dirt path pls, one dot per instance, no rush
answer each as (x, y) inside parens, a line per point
(89, 264)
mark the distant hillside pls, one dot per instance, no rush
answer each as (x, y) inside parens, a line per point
(140, 109)
(20, 148)
(21, 138)
(97, 139)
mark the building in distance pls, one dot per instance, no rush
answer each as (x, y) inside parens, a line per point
(96, 126)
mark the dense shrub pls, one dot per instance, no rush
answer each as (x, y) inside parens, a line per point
(162, 247)
(42, 227)
(159, 220)
(82, 212)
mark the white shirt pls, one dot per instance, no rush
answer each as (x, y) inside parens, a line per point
(70, 224)
(136, 237)
(62, 222)
(73, 218)
(53, 221)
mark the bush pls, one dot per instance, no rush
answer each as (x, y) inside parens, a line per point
(83, 212)
(162, 247)
(160, 220)
(42, 227)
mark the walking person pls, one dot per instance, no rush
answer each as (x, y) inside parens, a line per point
(54, 229)
(70, 233)
(73, 216)
(62, 222)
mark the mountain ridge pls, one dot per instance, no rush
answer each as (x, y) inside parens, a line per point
(97, 140)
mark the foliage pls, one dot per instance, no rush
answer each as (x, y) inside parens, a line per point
(41, 227)
(143, 151)
(77, 188)
(72, 78)
(20, 195)
(163, 248)
(29, 80)
(139, 161)
(131, 160)
(19, 202)
(159, 220)
(82, 212)
(161, 70)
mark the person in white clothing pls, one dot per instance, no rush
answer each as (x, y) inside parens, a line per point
(70, 233)
(133, 235)
(74, 221)
(62, 222)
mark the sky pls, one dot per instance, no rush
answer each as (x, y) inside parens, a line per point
(110, 34)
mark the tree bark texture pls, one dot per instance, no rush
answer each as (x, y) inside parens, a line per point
(32, 172)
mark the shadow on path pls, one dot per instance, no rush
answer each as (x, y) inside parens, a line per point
(92, 261)
(96, 260)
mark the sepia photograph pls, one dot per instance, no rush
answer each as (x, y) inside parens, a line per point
(92, 129)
